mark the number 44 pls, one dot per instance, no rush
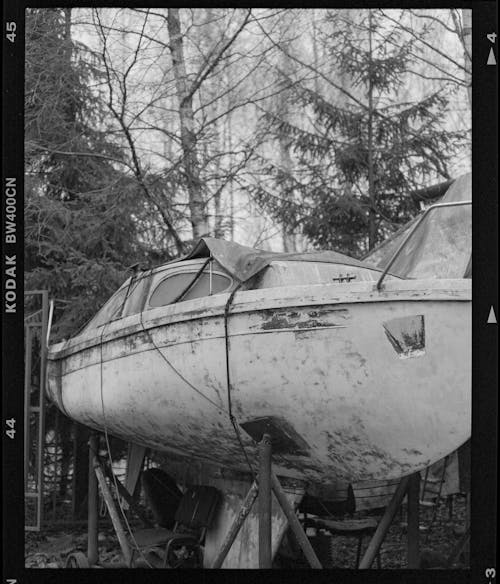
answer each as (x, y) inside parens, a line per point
(11, 31)
(11, 424)
(492, 37)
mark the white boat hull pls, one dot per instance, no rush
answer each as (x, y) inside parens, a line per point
(359, 396)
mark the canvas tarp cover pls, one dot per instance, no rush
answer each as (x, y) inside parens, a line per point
(442, 245)
(244, 262)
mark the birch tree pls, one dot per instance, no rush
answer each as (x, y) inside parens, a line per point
(185, 94)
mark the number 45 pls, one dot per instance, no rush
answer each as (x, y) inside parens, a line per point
(11, 31)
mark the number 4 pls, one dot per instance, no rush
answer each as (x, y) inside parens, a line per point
(492, 37)
(11, 31)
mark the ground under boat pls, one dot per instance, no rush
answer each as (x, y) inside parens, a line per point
(356, 374)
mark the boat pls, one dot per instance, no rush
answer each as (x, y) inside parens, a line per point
(356, 372)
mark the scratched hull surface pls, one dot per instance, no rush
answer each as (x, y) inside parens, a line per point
(368, 384)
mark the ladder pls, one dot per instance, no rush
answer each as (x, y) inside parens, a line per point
(36, 327)
(431, 488)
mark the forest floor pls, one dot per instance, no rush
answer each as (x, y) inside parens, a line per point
(50, 547)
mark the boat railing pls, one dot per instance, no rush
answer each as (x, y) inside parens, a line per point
(412, 232)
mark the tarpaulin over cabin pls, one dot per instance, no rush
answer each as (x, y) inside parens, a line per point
(442, 245)
(244, 262)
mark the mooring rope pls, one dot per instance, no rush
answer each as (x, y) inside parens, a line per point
(228, 379)
(232, 418)
(108, 447)
(174, 369)
(226, 341)
(186, 381)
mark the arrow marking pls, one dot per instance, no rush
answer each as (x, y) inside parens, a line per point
(492, 319)
(491, 58)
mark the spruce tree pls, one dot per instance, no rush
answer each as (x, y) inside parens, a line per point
(359, 158)
(80, 228)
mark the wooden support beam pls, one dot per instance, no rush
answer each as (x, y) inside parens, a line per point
(294, 523)
(93, 511)
(265, 502)
(383, 526)
(113, 513)
(413, 543)
(245, 509)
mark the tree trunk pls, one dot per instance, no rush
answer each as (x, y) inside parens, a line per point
(213, 89)
(467, 36)
(372, 218)
(289, 244)
(67, 32)
(188, 137)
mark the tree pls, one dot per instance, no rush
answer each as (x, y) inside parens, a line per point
(359, 158)
(80, 233)
(188, 137)
(188, 114)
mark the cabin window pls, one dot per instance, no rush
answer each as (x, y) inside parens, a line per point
(110, 310)
(172, 286)
(441, 247)
(136, 292)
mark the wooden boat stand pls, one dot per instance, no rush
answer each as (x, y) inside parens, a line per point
(97, 478)
(267, 484)
(410, 486)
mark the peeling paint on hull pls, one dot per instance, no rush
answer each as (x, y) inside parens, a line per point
(317, 357)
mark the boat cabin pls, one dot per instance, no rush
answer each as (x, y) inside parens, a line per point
(437, 245)
(194, 278)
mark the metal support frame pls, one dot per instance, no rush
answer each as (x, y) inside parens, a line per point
(413, 543)
(384, 524)
(409, 486)
(265, 502)
(35, 326)
(268, 484)
(27, 397)
(295, 525)
(113, 513)
(93, 504)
